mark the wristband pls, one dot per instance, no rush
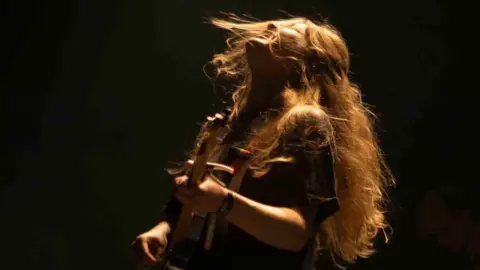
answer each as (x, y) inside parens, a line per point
(227, 205)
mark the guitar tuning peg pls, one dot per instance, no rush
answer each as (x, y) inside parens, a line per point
(210, 118)
(221, 118)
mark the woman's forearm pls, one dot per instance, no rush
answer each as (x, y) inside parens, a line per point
(281, 227)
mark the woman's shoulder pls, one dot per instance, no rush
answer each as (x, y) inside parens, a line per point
(306, 112)
(305, 119)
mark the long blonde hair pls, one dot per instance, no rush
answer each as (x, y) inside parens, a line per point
(360, 171)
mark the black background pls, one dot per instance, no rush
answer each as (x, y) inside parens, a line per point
(98, 96)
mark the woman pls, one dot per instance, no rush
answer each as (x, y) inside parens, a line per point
(312, 142)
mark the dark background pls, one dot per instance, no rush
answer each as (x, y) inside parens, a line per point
(97, 97)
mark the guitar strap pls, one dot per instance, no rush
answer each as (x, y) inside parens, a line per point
(325, 209)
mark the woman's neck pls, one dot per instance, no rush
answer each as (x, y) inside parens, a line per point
(265, 94)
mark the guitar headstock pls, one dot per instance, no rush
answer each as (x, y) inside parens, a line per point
(213, 126)
(219, 120)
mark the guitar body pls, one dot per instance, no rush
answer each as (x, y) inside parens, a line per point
(187, 232)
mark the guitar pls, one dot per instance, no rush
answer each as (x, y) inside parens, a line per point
(186, 236)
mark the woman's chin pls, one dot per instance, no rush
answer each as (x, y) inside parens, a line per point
(257, 48)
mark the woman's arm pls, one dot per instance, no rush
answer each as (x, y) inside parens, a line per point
(281, 227)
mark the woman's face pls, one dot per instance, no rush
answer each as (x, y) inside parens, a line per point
(289, 43)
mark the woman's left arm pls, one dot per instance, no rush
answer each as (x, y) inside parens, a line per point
(282, 227)
(290, 216)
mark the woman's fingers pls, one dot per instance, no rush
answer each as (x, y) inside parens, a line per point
(181, 181)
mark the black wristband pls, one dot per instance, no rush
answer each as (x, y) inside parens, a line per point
(227, 205)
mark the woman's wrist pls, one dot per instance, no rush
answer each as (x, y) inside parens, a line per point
(226, 204)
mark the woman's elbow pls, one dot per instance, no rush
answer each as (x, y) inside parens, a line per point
(296, 242)
(298, 235)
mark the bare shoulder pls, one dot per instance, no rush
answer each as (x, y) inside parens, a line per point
(307, 120)
(306, 128)
(306, 114)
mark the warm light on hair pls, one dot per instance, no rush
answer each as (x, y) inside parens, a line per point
(360, 171)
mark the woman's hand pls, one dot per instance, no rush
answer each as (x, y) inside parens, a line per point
(207, 197)
(150, 246)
